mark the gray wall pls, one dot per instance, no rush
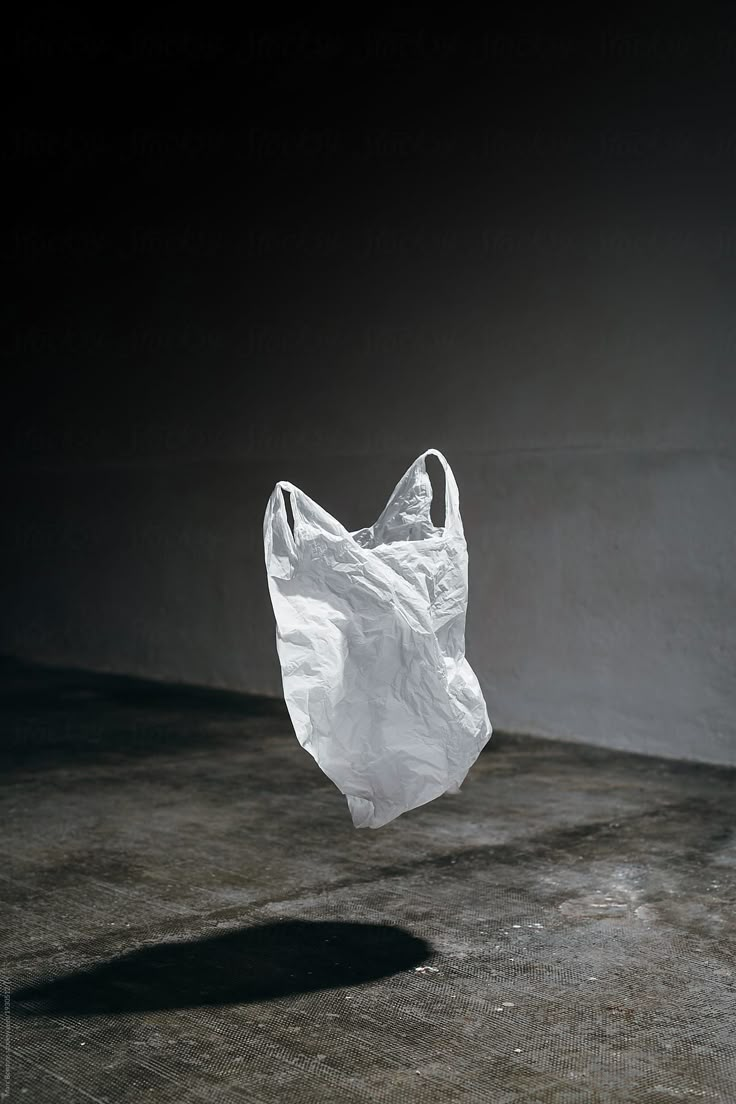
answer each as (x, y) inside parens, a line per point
(551, 306)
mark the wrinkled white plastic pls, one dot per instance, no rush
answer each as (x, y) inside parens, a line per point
(370, 632)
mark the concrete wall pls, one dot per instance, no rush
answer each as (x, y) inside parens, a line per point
(551, 306)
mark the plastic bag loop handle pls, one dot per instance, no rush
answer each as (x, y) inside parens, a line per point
(294, 511)
(452, 495)
(280, 543)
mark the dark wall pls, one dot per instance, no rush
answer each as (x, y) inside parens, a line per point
(310, 254)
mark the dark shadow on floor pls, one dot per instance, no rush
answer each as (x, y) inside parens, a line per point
(26, 684)
(53, 717)
(251, 964)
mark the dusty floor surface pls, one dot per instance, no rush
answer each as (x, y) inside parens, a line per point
(189, 915)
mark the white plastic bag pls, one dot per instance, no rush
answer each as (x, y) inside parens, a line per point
(370, 631)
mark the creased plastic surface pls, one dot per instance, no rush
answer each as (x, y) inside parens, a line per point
(370, 632)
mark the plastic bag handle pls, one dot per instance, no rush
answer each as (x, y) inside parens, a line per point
(282, 486)
(453, 520)
(280, 543)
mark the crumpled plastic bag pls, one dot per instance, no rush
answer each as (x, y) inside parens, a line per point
(370, 633)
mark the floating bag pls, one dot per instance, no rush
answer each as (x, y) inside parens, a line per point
(370, 632)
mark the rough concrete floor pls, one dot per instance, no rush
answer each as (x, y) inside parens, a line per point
(190, 916)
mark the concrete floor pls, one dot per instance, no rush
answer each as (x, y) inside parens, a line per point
(189, 915)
